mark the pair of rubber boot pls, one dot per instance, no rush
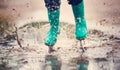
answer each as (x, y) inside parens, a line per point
(81, 28)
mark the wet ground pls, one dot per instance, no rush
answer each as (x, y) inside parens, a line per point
(102, 44)
(102, 50)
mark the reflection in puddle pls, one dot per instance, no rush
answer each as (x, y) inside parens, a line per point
(82, 65)
(53, 62)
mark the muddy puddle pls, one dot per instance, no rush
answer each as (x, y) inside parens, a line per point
(102, 50)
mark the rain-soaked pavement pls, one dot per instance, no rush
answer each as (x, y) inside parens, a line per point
(102, 50)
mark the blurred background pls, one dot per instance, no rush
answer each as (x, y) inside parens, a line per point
(102, 14)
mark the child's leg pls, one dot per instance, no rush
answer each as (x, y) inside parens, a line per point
(53, 7)
(78, 11)
(74, 2)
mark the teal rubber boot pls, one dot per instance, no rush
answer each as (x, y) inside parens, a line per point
(54, 27)
(81, 28)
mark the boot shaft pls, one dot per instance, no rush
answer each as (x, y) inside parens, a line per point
(53, 17)
(78, 10)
